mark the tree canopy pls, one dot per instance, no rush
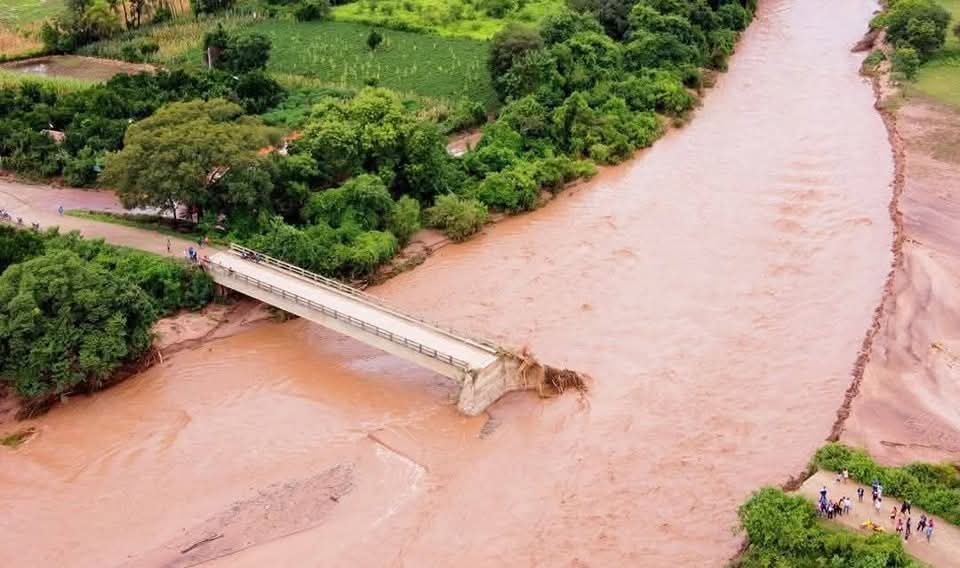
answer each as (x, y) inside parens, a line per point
(202, 154)
(66, 322)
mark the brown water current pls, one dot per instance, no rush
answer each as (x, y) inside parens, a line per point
(717, 288)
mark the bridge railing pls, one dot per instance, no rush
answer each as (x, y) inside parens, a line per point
(330, 312)
(363, 296)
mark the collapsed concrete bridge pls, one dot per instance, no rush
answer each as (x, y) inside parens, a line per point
(484, 370)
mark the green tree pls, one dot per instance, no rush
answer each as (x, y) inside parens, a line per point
(456, 216)
(510, 45)
(921, 24)
(374, 39)
(906, 62)
(363, 200)
(65, 323)
(404, 219)
(202, 154)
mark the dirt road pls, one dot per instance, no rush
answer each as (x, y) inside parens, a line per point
(942, 550)
(39, 204)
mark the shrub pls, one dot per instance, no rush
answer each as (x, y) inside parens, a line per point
(404, 219)
(906, 62)
(366, 252)
(935, 488)
(309, 10)
(456, 216)
(374, 39)
(81, 171)
(65, 323)
(511, 190)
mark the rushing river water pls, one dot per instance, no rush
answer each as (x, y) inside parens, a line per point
(717, 288)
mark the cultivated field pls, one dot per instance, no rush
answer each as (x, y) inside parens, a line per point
(22, 11)
(456, 18)
(337, 53)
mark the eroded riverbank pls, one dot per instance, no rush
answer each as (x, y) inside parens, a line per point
(908, 406)
(717, 288)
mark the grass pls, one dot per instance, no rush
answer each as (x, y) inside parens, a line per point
(179, 40)
(154, 223)
(61, 85)
(939, 78)
(22, 11)
(20, 436)
(16, 43)
(450, 18)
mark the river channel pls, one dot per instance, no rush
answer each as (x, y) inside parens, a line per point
(717, 289)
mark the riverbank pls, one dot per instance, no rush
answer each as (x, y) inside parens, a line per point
(905, 406)
(183, 331)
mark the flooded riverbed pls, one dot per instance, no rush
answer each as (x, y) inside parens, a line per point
(717, 288)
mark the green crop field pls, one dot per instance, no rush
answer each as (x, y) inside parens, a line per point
(452, 18)
(337, 53)
(23, 11)
(940, 77)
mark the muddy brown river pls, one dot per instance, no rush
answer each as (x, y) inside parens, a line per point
(717, 288)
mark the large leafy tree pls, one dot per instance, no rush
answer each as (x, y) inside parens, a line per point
(374, 133)
(202, 154)
(65, 322)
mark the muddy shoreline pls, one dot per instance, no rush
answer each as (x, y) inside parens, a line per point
(173, 334)
(897, 149)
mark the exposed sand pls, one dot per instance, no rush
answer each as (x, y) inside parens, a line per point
(908, 408)
(943, 550)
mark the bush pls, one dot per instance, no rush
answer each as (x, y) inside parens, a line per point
(65, 322)
(457, 217)
(906, 62)
(374, 39)
(782, 530)
(511, 190)
(81, 171)
(404, 219)
(309, 10)
(935, 488)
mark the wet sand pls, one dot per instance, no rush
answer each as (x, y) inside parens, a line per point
(717, 288)
(908, 408)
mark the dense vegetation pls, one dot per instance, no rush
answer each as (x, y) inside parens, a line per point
(934, 488)
(783, 530)
(95, 120)
(589, 85)
(479, 19)
(72, 310)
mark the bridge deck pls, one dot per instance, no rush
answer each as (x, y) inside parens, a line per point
(476, 354)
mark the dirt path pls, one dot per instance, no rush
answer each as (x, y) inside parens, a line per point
(39, 203)
(942, 550)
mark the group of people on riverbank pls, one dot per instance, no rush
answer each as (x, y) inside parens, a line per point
(900, 519)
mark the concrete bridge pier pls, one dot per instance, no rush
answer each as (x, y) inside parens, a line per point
(481, 388)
